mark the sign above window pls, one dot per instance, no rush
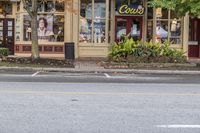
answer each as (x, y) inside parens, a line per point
(131, 10)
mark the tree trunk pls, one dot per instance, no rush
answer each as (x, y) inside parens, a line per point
(34, 35)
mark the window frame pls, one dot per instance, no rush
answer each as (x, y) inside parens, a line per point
(55, 13)
(107, 20)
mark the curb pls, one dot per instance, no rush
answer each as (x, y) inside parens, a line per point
(123, 71)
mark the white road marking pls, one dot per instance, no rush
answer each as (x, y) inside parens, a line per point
(178, 126)
(35, 73)
(107, 76)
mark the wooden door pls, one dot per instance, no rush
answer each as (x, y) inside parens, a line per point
(125, 25)
(7, 34)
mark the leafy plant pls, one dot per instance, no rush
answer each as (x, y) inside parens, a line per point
(4, 51)
(123, 48)
(132, 51)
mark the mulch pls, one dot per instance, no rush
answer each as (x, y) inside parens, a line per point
(41, 61)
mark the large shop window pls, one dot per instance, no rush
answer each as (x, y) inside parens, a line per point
(50, 28)
(50, 22)
(93, 21)
(168, 26)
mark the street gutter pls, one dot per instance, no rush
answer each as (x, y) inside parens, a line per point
(100, 70)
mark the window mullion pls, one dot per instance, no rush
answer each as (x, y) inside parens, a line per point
(169, 19)
(107, 21)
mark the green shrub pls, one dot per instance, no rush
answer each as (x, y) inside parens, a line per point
(131, 51)
(147, 49)
(4, 51)
(122, 49)
(175, 55)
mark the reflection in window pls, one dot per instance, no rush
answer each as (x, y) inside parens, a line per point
(27, 28)
(45, 6)
(58, 28)
(121, 28)
(168, 28)
(135, 29)
(5, 8)
(162, 31)
(92, 30)
(175, 30)
(60, 6)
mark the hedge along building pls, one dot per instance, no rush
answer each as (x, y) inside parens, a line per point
(92, 25)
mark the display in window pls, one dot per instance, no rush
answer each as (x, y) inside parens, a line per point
(162, 31)
(121, 28)
(92, 21)
(45, 28)
(58, 28)
(175, 37)
(50, 28)
(99, 31)
(85, 30)
(17, 28)
(135, 29)
(100, 9)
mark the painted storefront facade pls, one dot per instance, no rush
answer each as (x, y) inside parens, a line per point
(93, 26)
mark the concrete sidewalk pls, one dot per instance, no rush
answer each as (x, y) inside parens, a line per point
(95, 67)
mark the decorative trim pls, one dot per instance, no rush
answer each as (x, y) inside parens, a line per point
(44, 49)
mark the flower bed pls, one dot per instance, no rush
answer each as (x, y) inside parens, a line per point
(42, 62)
(129, 50)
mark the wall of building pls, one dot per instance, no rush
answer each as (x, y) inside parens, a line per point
(91, 48)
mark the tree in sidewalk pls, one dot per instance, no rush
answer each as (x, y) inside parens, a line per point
(31, 7)
(181, 7)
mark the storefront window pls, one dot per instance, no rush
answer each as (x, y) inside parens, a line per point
(58, 28)
(5, 8)
(50, 25)
(27, 28)
(18, 6)
(168, 27)
(92, 21)
(60, 6)
(50, 28)
(45, 6)
(17, 28)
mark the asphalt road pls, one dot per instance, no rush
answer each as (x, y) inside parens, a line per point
(37, 76)
(69, 103)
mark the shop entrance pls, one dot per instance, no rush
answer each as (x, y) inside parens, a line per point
(128, 25)
(194, 38)
(7, 34)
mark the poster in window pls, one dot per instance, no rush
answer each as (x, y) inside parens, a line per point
(45, 28)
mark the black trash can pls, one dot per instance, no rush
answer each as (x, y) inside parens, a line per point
(69, 50)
